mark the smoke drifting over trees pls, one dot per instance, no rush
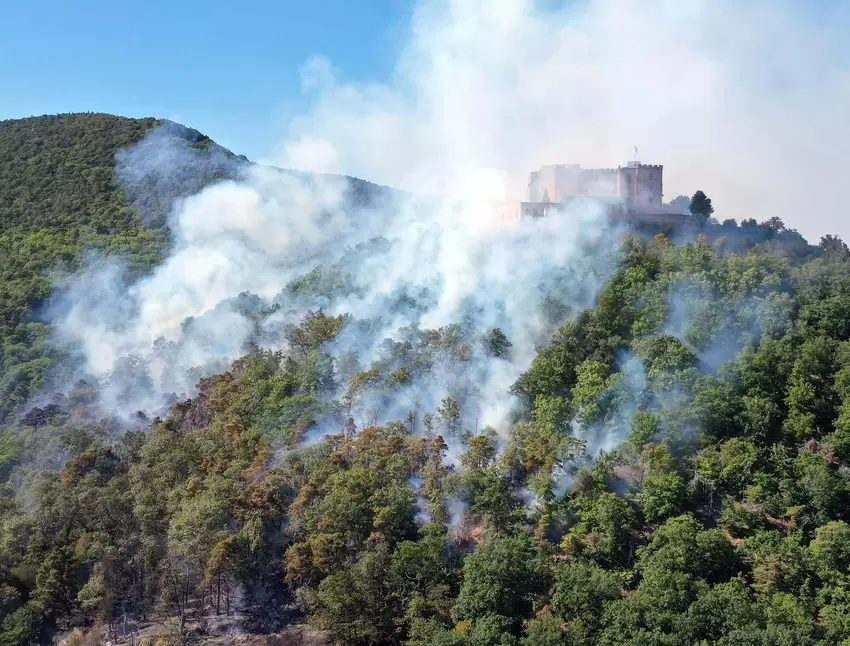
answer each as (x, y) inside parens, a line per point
(466, 115)
(319, 399)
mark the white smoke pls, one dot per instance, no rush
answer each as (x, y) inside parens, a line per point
(483, 92)
(744, 99)
(259, 234)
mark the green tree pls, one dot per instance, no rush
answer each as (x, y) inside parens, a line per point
(608, 522)
(583, 591)
(500, 578)
(700, 206)
(663, 496)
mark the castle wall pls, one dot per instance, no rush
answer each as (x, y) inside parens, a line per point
(631, 193)
(641, 187)
(600, 182)
(535, 209)
(616, 212)
(638, 187)
(558, 182)
(507, 215)
(552, 183)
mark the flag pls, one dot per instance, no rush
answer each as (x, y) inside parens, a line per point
(635, 151)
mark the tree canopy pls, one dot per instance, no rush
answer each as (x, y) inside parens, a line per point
(700, 206)
(676, 470)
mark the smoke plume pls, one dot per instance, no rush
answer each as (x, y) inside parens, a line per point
(740, 99)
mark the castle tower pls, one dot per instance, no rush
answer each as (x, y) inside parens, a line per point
(641, 186)
(635, 188)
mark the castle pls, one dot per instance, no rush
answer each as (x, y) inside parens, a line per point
(633, 192)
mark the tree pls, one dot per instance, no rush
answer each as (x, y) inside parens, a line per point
(831, 244)
(355, 605)
(24, 626)
(583, 591)
(680, 204)
(720, 611)
(499, 578)
(55, 581)
(424, 575)
(663, 496)
(492, 630)
(607, 521)
(682, 545)
(495, 343)
(449, 416)
(831, 546)
(550, 630)
(700, 206)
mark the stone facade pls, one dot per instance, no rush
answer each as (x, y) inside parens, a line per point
(631, 193)
(638, 187)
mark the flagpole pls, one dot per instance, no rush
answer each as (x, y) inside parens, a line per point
(637, 171)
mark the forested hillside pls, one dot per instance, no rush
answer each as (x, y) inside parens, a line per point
(69, 194)
(676, 471)
(60, 201)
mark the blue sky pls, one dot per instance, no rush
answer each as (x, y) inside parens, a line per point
(227, 68)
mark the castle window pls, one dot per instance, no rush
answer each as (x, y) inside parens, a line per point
(651, 176)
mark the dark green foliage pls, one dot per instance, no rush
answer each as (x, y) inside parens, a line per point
(583, 592)
(609, 521)
(700, 206)
(663, 496)
(496, 344)
(500, 579)
(57, 171)
(677, 473)
(60, 202)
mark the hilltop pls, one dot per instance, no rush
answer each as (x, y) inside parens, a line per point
(62, 200)
(57, 171)
(59, 199)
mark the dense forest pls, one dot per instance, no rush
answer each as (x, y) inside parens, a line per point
(69, 195)
(60, 203)
(677, 471)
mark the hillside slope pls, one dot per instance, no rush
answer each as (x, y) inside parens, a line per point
(674, 469)
(718, 513)
(67, 190)
(57, 171)
(59, 199)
